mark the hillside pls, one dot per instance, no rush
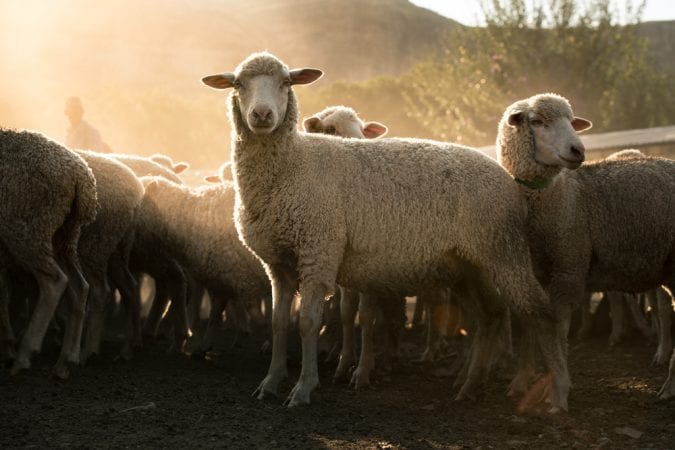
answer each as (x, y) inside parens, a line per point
(137, 64)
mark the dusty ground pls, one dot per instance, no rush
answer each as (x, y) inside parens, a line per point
(161, 400)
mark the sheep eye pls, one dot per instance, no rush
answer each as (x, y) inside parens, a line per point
(285, 83)
(237, 85)
(537, 122)
(329, 129)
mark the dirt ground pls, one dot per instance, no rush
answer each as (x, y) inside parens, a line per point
(170, 400)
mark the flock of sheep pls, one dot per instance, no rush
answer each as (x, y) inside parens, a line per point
(306, 213)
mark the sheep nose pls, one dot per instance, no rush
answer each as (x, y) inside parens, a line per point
(262, 114)
(578, 152)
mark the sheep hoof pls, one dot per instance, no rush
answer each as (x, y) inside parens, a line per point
(667, 391)
(299, 395)
(269, 387)
(19, 365)
(126, 354)
(61, 371)
(360, 379)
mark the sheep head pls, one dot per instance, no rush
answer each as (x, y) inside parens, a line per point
(343, 121)
(538, 136)
(262, 87)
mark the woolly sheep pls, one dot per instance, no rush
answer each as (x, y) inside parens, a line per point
(217, 260)
(659, 299)
(47, 194)
(320, 209)
(105, 245)
(601, 226)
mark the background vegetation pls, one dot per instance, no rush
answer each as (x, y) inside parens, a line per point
(591, 53)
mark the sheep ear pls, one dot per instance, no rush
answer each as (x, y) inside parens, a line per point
(516, 118)
(373, 130)
(220, 81)
(180, 167)
(312, 125)
(305, 76)
(212, 179)
(580, 124)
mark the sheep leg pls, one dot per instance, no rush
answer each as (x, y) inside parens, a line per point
(7, 339)
(218, 306)
(195, 298)
(52, 281)
(663, 310)
(177, 289)
(638, 316)
(418, 313)
(667, 391)
(490, 328)
(367, 313)
(99, 294)
(349, 302)
(436, 309)
(311, 309)
(131, 298)
(160, 301)
(586, 320)
(616, 311)
(395, 319)
(284, 285)
(76, 298)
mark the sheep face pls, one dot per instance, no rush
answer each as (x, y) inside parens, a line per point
(343, 121)
(262, 86)
(556, 142)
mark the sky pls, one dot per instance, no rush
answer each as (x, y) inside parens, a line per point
(468, 11)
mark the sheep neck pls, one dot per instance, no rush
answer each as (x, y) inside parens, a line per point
(256, 158)
(537, 183)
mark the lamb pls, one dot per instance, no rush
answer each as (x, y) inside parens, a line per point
(47, 195)
(217, 259)
(317, 210)
(601, 226)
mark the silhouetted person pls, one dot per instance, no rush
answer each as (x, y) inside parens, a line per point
(81, 134)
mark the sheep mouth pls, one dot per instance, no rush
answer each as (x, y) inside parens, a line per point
(259, 129)
(572, 163)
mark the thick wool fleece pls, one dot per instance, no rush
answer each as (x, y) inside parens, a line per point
(120, 194)
(197, 227)
(43, 187)
(145, 167)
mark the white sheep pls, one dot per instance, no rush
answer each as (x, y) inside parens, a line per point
(320, 209)
(601, 226)
(47, 194)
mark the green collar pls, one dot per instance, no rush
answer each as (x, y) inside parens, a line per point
(540, 183)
